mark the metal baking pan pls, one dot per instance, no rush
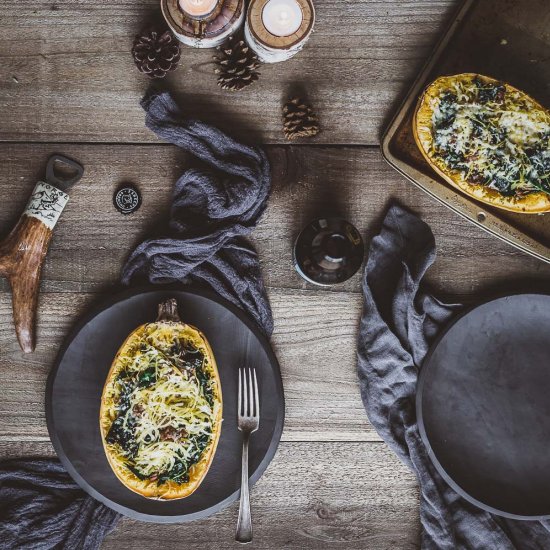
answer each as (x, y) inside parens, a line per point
(505, 39)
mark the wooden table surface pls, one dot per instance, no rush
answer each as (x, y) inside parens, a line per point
(68, 84)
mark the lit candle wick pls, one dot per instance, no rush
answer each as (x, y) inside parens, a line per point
(282, 17)
(198, 7)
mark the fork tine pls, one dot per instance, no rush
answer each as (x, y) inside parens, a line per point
(245, 394)
(250, 393)
(239, 398)
(256, 396)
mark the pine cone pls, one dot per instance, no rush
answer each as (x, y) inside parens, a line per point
(156, 53)
(299, 120)
(236, 65)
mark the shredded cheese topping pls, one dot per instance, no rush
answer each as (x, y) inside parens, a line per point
(494, 136)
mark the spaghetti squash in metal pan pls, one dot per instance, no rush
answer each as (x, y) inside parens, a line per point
(488, 139)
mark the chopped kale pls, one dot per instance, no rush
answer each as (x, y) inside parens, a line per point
(456, 161)
(180, 472)
(489, 92)
(447, 110)
(540, 160)
(200, 443)
(148, 377)
(204, 381)
(498, 135)
(503, 186)
(122, 430)
(477, 127)
(136, 472)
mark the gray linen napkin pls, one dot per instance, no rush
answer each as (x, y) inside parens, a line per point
(213, 209)
(399, 323)
(40, 506)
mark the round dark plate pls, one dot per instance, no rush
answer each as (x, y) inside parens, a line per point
(76, 383)
(483, 406)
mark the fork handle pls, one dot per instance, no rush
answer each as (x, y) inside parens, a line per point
(244, 524)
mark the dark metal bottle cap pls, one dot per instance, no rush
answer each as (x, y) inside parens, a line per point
(328, 251)
(127, 199)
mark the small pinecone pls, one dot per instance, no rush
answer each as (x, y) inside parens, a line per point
(156, 53)
(236, 65)
(299, 120)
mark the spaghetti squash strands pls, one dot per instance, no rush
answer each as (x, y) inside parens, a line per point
(161, 408)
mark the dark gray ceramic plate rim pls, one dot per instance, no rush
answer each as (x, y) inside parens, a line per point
(129, 512)
(420, 416)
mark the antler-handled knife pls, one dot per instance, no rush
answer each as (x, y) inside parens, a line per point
(23, 251)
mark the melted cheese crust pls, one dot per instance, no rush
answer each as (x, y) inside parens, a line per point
(485, 148)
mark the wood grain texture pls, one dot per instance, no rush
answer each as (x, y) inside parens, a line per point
(66, 73)
(303, 501)
(92, 240)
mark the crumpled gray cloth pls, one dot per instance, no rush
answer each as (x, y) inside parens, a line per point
(398, 325)
(213, 209)
(42, 508)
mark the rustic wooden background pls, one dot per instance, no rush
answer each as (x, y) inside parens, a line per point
(67, 84)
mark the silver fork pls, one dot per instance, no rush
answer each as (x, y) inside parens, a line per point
(248, 421)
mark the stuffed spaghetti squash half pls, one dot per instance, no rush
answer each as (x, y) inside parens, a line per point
(488, 139)
(161, 408)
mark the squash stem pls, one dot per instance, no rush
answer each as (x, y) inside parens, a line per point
(168, 312)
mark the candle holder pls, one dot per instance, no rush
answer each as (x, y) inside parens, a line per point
(205, 30)
(269, 47)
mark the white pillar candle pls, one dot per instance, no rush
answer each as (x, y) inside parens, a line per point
(203, 23)
(198, 8)
(277, 30)
(282, 17)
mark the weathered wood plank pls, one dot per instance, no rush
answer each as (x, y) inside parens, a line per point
(92, 239)
(66, 72)
(313, 496)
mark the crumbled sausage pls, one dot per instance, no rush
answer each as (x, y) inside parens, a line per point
(172, 434)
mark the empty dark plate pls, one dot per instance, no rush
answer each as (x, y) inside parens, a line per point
(76, 382)
(483, 406)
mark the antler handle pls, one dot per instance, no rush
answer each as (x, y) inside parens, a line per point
(22, 255)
